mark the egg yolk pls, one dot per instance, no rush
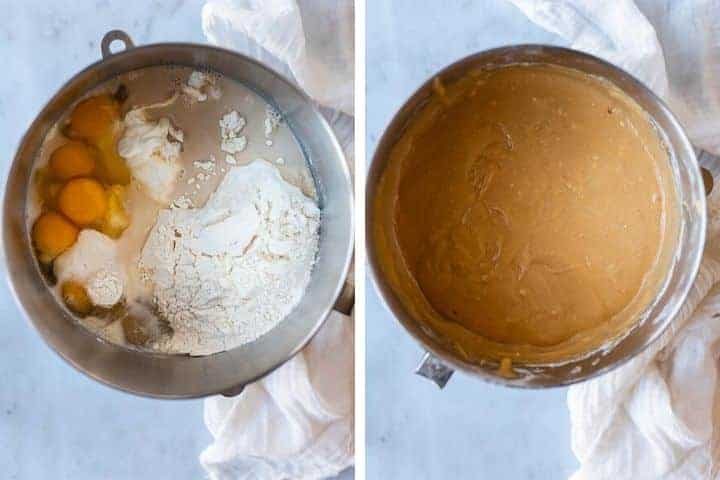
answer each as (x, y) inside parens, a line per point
(97, 121)
(53, 234)
(74, 159)
(83, 201)
(76, 298)
(94, 118)
(112, 167)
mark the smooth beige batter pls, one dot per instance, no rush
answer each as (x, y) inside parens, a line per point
(532, 207)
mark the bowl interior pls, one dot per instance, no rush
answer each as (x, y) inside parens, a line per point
(175, 376)
(692, 220)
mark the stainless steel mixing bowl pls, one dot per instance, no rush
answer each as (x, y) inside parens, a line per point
(440, 362)
(178, 376)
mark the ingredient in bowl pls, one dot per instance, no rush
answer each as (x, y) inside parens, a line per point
(96, 120)
(152, 151)
(116, 218)
(73, 159)
(47, 187)
(83, 200)
(53, 234)
(534, 211)
(121, 157)
(273, 118)
(200, 86)
(94, 263)
(76, 298)
(231, 124)
(227, 273)
(135, 331)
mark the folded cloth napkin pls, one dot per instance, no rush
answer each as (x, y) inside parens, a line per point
(654, 417)
(296, 423)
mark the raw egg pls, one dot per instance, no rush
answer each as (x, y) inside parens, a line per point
(97, 121)
(76, 298)
(116, 218)
(53, 234)
(73, 159)
(83, 200)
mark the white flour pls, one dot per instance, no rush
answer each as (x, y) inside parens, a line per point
(199, 86)
(231, 124)
(227, 273)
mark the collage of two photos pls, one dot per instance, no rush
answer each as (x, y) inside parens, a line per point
(345, 239)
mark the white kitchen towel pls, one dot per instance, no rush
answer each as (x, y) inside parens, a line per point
(654, 417)
(296, 423)
(314, 38)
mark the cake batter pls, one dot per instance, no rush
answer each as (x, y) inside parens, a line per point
(531, 207)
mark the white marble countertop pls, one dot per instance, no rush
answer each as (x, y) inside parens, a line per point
(471, 429)
(55, 422)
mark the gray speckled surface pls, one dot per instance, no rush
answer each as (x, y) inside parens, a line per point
(54, 422)
(471, 429)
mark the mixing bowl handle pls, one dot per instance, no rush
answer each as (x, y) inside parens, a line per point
(434, 369)
(110, 37)
(233, 392)
(709, 167)
(346, 300)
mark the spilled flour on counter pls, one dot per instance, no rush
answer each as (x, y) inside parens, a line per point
(225, 274)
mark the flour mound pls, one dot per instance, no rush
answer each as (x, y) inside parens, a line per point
(227, 273)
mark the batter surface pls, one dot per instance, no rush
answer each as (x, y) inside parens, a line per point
(530, 205)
